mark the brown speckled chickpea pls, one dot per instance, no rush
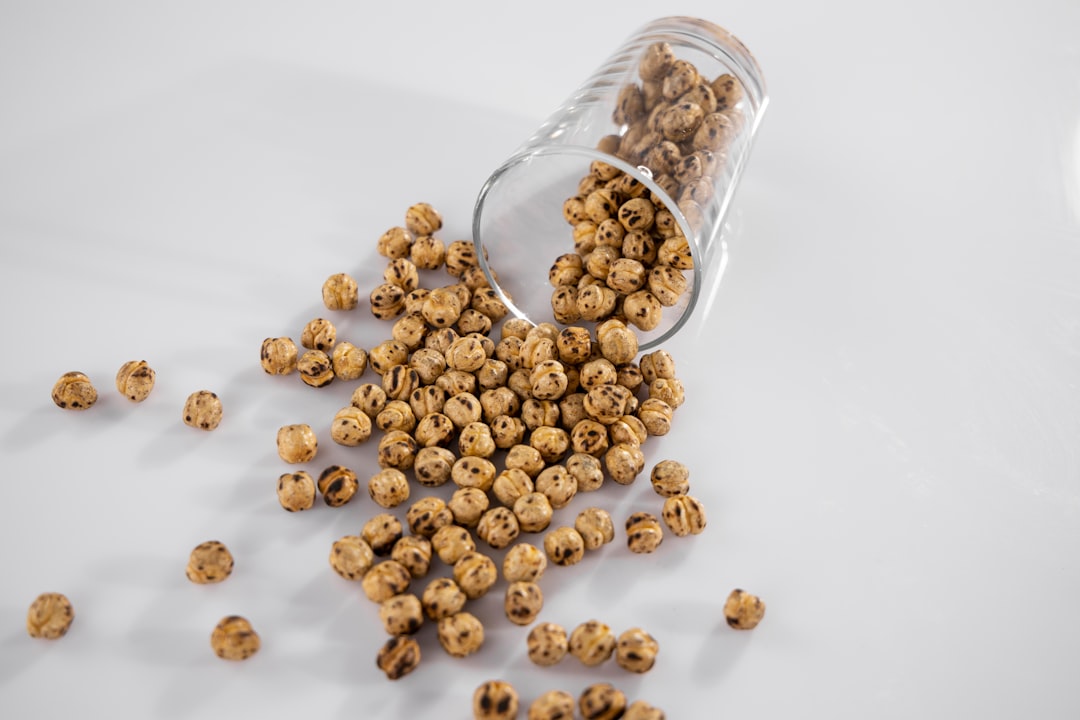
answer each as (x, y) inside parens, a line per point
(135, 380)
(387, 301)
(473, 471)
(401, 614)
(202, 410)
(369, 398)
(557, 484)
(572, 405)
(410, 329)
(414, 554)
(669, 478)
(385, 580)
(351, 557)
(486, 301)
(466, 353)
(316, 368)
(643, 533)
(340, 292)
(655, 61)
(297, 443)
(602, 701)
(398, 657)
(460, 256)
(524, 562)
(564, 546)
(456, 382)
(473, 321)
(460, 634)
(657, 364)
(49, 616)
(395, 242)
(386, 355)
(643, 310)
(590, 437)
(397, 415)
(382, 532)
(656, 416)
(495, 700)
(338, 485)
(636, 650)
(552, 443)
(624, 462)
(422, 219)
(574, 345)
(669, 390)
(548, 380)
(525, 458)
(278, 355)
(210, 562)
(618, 343)
(667, 284)
(468, 505)
(427, 515)
(434, 430)
(399, 381)
(523, 602)
(595, 302)
(397, 449)
(296, 491)
(433, 465)
(462, 409)
(427, 399)
(428, 252)
(566, 270)
(595, 527)
(641, 710)
(607, 403)
(552, 705)
(475, 573)
(498, 527)
(319, 334)
(684, 515)
(592, 642)
(511, 484)
(389, 487)
(499, 401)
(348, 360)
(743, 611)
(597, 372)
(450, 542)
(533, 512)
(233, 638)
(626, 275)
(442, 598)
(628, 430)
(587, 470)
(351, 426)
(441, 308)
(403, 273)
(539, 413)
(547, 644)
(475, 440)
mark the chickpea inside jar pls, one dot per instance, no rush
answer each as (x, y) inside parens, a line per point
(614, 207)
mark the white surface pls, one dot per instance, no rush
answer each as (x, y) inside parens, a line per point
(883, 412)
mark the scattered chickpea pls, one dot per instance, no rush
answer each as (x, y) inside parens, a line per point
(135, 380)
(595, 526)
(592, 642)
(297, 443)
(468, 505)
(398, 657)
(296, 491)
(564, 546)
(338, 485)
(401, 614)
(643, 532)
(428, 252)
(552, 705)
(350, 427)
(351, 557)
(414, 553)
(50, 616)
(495, 700)
(278, 355)
(533, 512)
(433, 465)
(381, 533)
(389, 487)
(547, 644)
(523, 602)
(451, 542)
(498, 527)
(385, 580)
(319, 334)
(743, 611)
(684, 515)
(641, 710)
(397, 450)
(460, 634)
(348, 361)
(511, 484)
(74, 391)
(428, 515)
(636, 650)
(387, 301)
(396, 415)
(403, 273)
(475, 573)
(442, 598)
(602, 701)
(234, 639)
(422, 219)
(340, 292)
(202, 410)
(395, 242)
(210, 562)
(370, 398)
(624, 462)
(557, 484)
(316, 368)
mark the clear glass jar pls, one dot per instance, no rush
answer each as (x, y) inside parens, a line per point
(664, 127)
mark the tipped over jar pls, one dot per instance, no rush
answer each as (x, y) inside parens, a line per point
(614, 207)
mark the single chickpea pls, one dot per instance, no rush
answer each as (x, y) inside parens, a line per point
(414, 302)
(397, 449)
(135, 380)
(462, 409)
(460, 634)
(564, 546)
(675, 251)
(441, 339)
(533, 512)
(340, 292)
(643, 533)
(395, 242)
(403, 273)
(434, 430)
(602, 701)
(643, 310)
(590, 437)
(201, 410)
(369, 398)
(548, 380)
(473, 321)
(498, 527)
(684, 515)
(552, 705)
(669, 478)
(414, 554)
(381, 532)
(389, 487)
(558, 485)
(385, 580)
(624, 462)
(427, 515)
(432, 466)
(426, 400)
(636, 650)
(607, 403)
(595, 527)
(428, 252)
(278, 355)
(618, 343)
(473, 471)
(210, 562)
(524, 562)
(587, 470)
(456, 382)
(610, 233)
(338, 485)
(351, 557)
(656, 61)
(49, 616)
(450, 542)
(468, 505)
(667, 284)
(499, 401)
(669, 390)
(547, 644)
(656, 416)
(233, 638)
(442, 598)
(539, 413)
(552, 442)
(495, 700)
(388, 354)
(422, 219)
(598, 263)
(641, 710)
(592, 642)
(398, 657)
(523, 602)
(397, 415)
(743, 611)
(316, 368)
(597, 372)
(627, 430)
(297, 443)
(319, 334)
(487, 301)
(348, 361)
(460, 256)
(475, 573)
(574, 210)
(401, 614)
(475, 440)
(442, 308)
(657, 364)
(572, 406)
(296, 491)
(387, 301)
(467, 354)
(525, 458)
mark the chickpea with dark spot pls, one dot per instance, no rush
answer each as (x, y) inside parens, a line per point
(442, 598)
(602, 701)
(278, 356)
(743, 610)
(234, 639)
(209, 562)
(564, 546)
(401, 614)
(202, 410)
(592, 642)
(495, 700)
(636, 650)
(135, 380)
(547, 644)
(643, 533)
(398, 657)
(338, 485)
(351, 557)
(296, 491)
(460, 634)
(382, 532)
(385, 580)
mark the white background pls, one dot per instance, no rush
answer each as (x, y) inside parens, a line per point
(882, 416)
